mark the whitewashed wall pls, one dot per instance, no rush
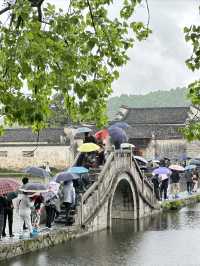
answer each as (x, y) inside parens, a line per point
(12, 157)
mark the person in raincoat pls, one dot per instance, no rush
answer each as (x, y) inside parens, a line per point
(50, 202)
(24, 208)
(69, 197)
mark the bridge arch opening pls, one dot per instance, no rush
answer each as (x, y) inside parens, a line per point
(123, 203)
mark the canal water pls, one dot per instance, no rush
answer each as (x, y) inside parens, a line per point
(168, 239)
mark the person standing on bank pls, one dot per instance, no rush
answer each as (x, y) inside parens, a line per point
(69, 197)
(155, 180)
(24, 207)
(175, 185)
(189, 181)
(195, 179)
(2, 211)
(8, 213)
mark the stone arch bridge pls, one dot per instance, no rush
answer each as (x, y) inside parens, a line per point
(120, 191)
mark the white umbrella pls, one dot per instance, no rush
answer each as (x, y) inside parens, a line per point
(176, 167)
(141, 159)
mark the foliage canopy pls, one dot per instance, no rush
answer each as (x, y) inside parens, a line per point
(192, 35)
(75, 53)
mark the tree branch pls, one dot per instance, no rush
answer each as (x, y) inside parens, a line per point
(147, 5)
(5, 9)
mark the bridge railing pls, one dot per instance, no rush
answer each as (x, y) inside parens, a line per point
(117, 161)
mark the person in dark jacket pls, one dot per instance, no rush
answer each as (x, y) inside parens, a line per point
(2, 211)
(189, 181)
(156, 182)
(89, 138)
(175, 185)
(8, 215)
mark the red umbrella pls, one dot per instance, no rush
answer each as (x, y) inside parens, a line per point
(102, 134)
(8, 185)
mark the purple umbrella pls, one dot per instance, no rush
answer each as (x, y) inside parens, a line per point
(34, 187)
(117, 134)
(161, 171)
(65, 176)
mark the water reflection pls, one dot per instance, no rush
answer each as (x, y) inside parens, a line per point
(166, 239)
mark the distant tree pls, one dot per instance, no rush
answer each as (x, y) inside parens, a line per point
(75, 53)
(192, 129)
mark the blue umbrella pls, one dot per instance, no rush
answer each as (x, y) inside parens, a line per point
(83, 130)
(65, 176)
(78, 170)
(190, 167)
(161, 171)
(122, 125)
(117, 134)
(36, 171)
(195, 162)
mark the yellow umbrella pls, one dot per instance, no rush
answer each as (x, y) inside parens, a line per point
(88, 147)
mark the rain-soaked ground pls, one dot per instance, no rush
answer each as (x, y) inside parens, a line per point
(168, 239)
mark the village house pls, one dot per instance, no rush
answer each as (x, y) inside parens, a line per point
(156, 131)
(20, 147)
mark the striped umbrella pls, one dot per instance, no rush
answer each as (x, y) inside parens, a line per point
(8, 185)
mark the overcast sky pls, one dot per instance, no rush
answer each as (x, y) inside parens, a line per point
(158, 62)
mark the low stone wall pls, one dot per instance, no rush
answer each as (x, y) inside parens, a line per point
(51, 238)
(176, 204)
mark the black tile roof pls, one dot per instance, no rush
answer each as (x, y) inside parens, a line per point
(17, 135)
(158, 115)
(160, 131)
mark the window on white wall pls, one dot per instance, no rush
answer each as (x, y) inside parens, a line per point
(3, 154)
(28, 153)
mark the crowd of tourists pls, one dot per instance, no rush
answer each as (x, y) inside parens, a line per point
(167, 179)
(63, 191)
(61, 196)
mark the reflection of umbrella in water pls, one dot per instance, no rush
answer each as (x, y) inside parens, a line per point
(117, 134)
(190, 167)
(161, 171)
(36, 171)
(34, 187)
(83, 130)
(65, 176)
(88, 147)
(122, 125)
(176, 167)
(8, 185)
(78, 170)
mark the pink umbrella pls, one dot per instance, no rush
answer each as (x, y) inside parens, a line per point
(8, 185)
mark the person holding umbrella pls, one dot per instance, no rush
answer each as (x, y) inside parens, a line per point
(69, 197)
(8, 214)
(24, 209)
(175, 185)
